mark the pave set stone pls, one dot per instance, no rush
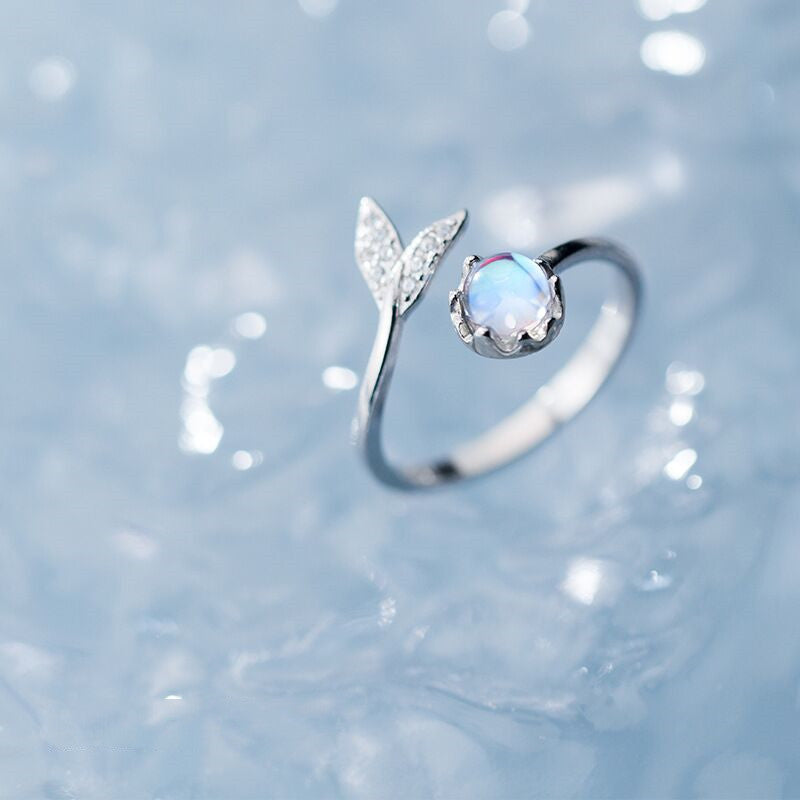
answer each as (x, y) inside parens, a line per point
(377, 248)
(422, 256)
(386, 267)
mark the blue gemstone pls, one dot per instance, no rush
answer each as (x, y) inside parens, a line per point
(507, 293)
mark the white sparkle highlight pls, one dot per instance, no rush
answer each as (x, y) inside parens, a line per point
(202, 431)
(658, 10)
(674, 52)
(583, 579)
(694, 482)
(681, 412)
(243, 460)
(680, 464)
(221, 363)
(682, 380)
(204, 364)
(250, 325)
(339, 379)
(508, 30)
(387, 612)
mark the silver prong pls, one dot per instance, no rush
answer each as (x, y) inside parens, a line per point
(506, 347)
(469, 263)
(456, 311)
(483, 342)
(539, 334)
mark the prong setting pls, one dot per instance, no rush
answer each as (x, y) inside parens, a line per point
(485, 341)
(469, 263)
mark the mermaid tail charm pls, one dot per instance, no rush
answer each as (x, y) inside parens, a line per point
(396, 275)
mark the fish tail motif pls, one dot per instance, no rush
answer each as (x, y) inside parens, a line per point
(392, 273)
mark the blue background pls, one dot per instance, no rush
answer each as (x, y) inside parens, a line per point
(615, 616)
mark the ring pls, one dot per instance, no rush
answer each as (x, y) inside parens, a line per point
(506, 306)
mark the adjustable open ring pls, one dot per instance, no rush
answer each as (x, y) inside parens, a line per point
(506, 306)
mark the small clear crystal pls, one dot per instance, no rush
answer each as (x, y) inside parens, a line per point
(377, 247)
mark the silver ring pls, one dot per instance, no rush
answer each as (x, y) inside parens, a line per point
(505, 306)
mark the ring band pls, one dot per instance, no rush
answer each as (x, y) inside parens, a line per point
(399, 277)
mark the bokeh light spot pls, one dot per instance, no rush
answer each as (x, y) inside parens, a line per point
(508, 30)
(674, 52)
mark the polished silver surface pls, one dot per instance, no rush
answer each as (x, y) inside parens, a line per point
(397, 287)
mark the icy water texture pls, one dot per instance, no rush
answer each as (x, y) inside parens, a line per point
(203, 594)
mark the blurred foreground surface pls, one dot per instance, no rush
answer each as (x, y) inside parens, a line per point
(202, 594)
